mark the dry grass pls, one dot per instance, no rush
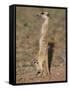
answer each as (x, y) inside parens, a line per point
(28, 27)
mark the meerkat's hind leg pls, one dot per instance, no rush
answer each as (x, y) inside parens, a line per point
(47, 69)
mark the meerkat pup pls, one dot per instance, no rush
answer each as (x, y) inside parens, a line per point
(42, 56)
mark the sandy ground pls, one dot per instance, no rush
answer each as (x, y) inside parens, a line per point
(28, 27)
(27, 75)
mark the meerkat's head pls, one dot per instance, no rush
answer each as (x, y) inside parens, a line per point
(44, 15)
(36, 64)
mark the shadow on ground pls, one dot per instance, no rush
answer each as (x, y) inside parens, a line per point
(50, 53)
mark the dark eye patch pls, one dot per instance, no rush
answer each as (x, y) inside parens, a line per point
(42, 13)
(35, 62)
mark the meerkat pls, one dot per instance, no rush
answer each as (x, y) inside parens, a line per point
(42, 56)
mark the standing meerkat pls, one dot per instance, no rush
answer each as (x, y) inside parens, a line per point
(42, 56)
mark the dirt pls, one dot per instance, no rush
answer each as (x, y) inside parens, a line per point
(28, 27)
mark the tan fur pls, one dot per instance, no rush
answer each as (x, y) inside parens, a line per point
(42, 56)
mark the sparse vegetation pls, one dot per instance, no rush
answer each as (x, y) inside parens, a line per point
(28, 27)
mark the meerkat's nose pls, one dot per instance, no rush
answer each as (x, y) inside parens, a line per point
(37, 14)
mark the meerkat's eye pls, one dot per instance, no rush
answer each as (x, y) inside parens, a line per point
(35, 62)
(42, 13)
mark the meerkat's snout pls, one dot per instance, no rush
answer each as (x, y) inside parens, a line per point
(37, 14)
